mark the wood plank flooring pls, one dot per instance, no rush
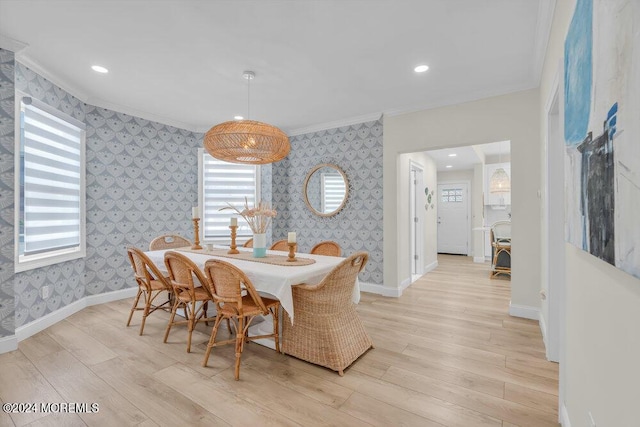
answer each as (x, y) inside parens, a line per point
(447, 354)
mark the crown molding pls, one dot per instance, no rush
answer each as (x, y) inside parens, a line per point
(335, 124)
(12, 45)
(544, 21)
(97, 102)
(56, 79)
(462, 99)
(101, 103)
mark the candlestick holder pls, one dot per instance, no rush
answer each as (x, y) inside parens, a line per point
(196, 234)
(292, 252)
(233, 249)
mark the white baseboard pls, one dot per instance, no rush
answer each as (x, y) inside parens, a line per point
(478, 259)
(524, 311)
(8, 344)
(381, 289)
(25, 331)
(429, 267)
(563, 416)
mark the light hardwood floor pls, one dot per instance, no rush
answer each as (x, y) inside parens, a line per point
(447, 353)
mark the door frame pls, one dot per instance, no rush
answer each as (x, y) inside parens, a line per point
(553, 226)
(469, 191)
(416, 237)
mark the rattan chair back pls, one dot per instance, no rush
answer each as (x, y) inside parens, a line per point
(327, 247)
(168, 241)
(182, 271)
(227, 283)
(280, 245)
(336, 289)
(248, 243)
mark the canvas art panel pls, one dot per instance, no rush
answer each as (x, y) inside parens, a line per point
(602, 131)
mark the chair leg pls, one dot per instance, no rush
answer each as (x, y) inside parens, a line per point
(191, 324)
(212, 340)
(239, 345)
(173, 315)
(135, 304)
(275, 314)
(145, 313)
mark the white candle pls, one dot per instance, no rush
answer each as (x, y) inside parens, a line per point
(195, 212)
(234, 221)
(292, 237)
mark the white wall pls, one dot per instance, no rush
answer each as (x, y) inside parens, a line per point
(599, 370)
(430, 238)
(513, 117)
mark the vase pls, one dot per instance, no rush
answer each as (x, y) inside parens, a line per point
(259, 245)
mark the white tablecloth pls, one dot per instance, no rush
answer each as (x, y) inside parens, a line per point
(272, 279)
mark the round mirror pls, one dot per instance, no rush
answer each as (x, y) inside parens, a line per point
(325, 189)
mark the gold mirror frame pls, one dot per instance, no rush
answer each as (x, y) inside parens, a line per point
(306, 182)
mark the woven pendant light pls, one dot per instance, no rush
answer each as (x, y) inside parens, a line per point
(247, 141)
(500, 182)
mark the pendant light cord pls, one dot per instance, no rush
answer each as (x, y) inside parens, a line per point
(249, 98)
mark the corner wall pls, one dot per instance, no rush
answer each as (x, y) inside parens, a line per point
(357, 150)
(513, 117)
(599, 365)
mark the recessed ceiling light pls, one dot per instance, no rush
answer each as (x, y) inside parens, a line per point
(452, 155)
(448, 166)
(238, 117)
(99, 69)
(421, 68)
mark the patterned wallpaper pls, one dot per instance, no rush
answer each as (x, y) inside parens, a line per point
(357, 150)
(141, 182)
(7, 100)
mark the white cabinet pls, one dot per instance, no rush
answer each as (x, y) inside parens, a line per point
(496, 199)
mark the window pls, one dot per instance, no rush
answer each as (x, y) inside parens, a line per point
(333, 192)
(222, 183)
(51, 200)
(452, 195)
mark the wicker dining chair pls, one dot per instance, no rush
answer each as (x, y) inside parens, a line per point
(168, 241)
(248, 243)
(186, 294)
(327, 330)
(501, 248)
(151, 283)
(227, 283)
(280, 245)
(327, 247)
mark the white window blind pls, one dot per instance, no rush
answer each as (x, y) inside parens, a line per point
(333, 191)
(226, 183)
(51, 181)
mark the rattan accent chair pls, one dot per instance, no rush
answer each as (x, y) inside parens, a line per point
(248, 243)
(186, 293)
(168, 241)
(501, 248)
(327, 247)
(151, 283)
(280, 245)
(227, 283)
(327, 330)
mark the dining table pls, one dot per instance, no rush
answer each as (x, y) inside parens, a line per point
(274, 280)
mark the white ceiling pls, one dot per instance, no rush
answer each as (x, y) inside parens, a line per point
(316, 62)
(466, 157)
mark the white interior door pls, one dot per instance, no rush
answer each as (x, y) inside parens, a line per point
(417, 219)
(453, 218)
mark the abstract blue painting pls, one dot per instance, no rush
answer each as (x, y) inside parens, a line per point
(602, 130)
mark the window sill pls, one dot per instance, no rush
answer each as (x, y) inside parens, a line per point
(26, 263)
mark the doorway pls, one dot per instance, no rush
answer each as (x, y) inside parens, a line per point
(453, 217)
(416, 220)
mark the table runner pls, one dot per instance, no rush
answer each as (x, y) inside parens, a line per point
(281, 260)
